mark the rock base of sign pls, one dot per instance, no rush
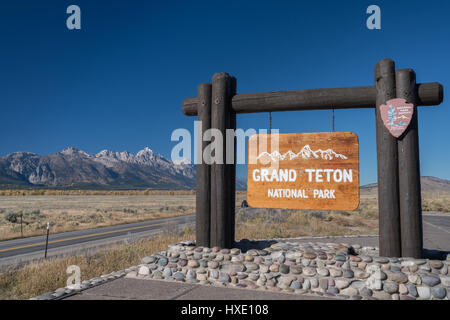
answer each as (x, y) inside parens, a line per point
(65, 292)
(326, 269)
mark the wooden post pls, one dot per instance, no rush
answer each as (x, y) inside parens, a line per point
(231, 173)
(388, 198)
(203, 189)
(409, 171)
(220, 196)
(46, 240)
(21, 224)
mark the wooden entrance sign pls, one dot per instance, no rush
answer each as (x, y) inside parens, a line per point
(217, 105)
(305, 171)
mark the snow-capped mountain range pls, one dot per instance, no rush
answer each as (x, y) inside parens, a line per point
(74, 168)
(305, 153)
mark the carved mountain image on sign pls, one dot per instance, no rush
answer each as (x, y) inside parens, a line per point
(305, 153)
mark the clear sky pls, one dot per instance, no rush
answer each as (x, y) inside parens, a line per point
(118, 83)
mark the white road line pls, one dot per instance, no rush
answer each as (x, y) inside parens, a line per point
(437, 227)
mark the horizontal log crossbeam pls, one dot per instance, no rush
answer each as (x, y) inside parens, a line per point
(429, 94)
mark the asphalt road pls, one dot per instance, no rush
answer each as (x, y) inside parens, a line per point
(438, 220)
(436, 236)
(25, 246)
(436, 231)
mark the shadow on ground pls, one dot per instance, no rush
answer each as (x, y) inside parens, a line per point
(246, 245)
(435, 254)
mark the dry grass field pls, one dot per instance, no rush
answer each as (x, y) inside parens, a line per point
(280, 223)
(69, 212)
(436, 201)
(76, 212)
(432, 200)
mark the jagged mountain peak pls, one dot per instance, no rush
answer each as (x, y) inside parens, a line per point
(21, 154)
(305, 153)
(73, 151)
(146, 152)
(105, 153)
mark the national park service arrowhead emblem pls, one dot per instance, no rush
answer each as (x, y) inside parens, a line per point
(396, 115)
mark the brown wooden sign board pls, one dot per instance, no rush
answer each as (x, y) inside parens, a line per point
(306, 171)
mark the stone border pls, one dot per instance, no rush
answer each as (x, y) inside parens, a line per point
(312, 268)
(325, 269)
(65, 292)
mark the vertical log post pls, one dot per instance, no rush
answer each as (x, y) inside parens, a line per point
(231, 170)
(409, 171)
(220, 195)
(203, 190)
(388, 198)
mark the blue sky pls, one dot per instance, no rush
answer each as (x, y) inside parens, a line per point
(118, 83)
